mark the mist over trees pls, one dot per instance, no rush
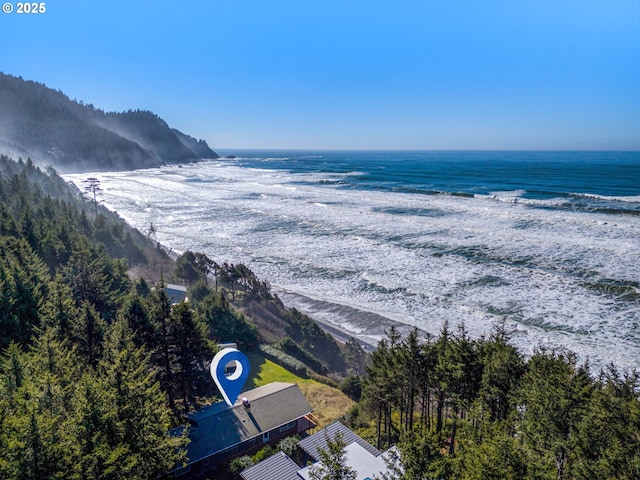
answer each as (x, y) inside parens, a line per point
(49, 127)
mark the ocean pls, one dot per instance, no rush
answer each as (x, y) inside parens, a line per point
(547, 241)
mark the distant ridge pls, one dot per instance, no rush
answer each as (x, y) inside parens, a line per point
(50, 128)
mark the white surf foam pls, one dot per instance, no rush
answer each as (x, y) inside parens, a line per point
(627, 199)
(544, 270)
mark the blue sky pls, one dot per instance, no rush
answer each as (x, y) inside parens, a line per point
(350, 74)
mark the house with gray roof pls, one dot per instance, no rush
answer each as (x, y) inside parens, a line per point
(360, 455)
(359, 459)
(263, 416)
(276, 467)
(318, 441)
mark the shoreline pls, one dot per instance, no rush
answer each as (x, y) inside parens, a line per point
(368, 328)
(368, 342)
(476, 285)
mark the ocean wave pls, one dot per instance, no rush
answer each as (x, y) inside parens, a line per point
(608, 198)
(509, 193)
(505, 197)
(417, 259)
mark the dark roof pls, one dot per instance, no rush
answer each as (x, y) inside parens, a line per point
(218, 426)
(318, 440)
(176, 293)
(276, 467)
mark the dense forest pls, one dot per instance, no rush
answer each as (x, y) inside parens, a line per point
(94, 367)
(464, 408)
(47, 125)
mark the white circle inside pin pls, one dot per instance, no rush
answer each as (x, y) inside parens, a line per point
(234, 367)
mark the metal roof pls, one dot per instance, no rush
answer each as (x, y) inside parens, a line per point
(318, 440)
(276, 467)
(218, 426)
(359, 459)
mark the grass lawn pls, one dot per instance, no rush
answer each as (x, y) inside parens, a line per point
(328, 403)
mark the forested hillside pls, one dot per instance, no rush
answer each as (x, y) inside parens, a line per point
(96, 367)
(78, 396)
(46, 125)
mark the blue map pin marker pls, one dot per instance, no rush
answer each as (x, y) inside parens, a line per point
(230, 386)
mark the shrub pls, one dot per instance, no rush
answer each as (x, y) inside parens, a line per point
(239, 464)
(285, 360)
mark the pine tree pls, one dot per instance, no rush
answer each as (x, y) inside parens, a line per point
(87, 332)
(59, 310)
(225, 324)
(163, 345)
(608, 438)
(140, 417)
(134, 311)
(377, 389)
(192, 351)
(416, 457)
(333, 462)
(554, 396)
(34, 436)
(24, 280)
(502, 370)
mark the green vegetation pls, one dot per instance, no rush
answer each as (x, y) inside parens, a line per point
(94, 368)
(97, 366)
(71, 135)
(333, 462)
(477, 409)
(241, 308)
(329, 403)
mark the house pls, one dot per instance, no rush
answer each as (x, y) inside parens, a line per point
(276, 467)
(359, 460)
(263, 416)
(176, 293)
(360, 455)
(318, 441)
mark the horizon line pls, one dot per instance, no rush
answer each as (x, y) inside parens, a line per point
(550, 150)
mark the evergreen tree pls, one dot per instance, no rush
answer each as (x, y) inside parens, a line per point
(93, 428)
(60, 309)
(493, 453)
(34, 435)
(554, 396)
(225, 324)
(378, 390)
(140, 417)
(416, 457)
(135, 313)
(502, 370)
(24, 280)
(608, 438)
(333, 462)
(162, 348)
(87, 332)
(192, 351)
(187, 268)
